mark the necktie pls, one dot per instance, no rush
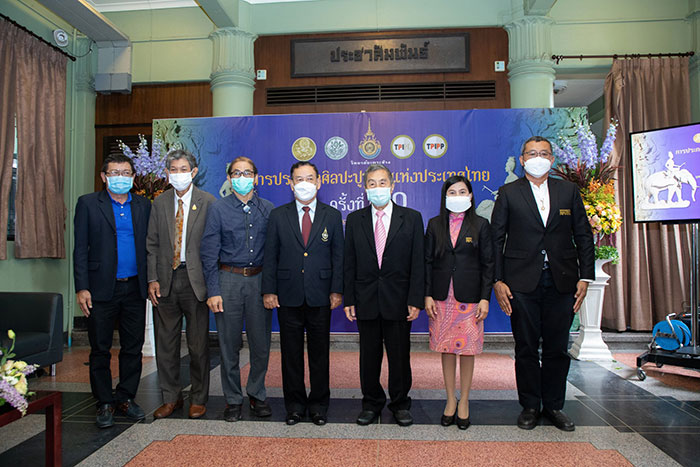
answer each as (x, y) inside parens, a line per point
(380, 237)
(305, 225)
(179, 217)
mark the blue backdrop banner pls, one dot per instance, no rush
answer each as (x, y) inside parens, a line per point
(422, 149)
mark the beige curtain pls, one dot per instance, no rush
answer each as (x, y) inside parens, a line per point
(38, 74)
(653, 276)
(8, 36)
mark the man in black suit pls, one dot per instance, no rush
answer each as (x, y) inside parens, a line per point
(109, 262)
(544, 262)
(303, 279)
(384, 284)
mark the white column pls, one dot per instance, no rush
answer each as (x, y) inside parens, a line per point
(233, 72)
(530, 66)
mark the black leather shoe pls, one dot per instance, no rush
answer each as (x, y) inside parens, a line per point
(105, 416)
(293, 418)
(528, 419)
(559, 419)
(259, 408)
(318, 418)
(403, 417)
(131, 409)
(366, 417)
(463, 423)
(447, 420)
(232, 413)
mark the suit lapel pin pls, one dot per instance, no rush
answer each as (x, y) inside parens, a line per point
(194, 207)
(468, 239)
(324, 235)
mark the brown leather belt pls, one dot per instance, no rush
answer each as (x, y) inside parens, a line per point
(250, 271)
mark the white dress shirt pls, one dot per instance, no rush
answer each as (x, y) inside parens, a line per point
(386, 220)
(186, 200)
(541, 194)
(300, 211)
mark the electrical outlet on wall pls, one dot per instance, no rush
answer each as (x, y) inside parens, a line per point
(261, 74)
(499, 65)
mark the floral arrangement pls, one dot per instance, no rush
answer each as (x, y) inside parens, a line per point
(592, 171)
(150, 180)
(13, 378)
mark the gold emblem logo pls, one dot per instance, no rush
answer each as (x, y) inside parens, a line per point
(468, 239)
(370, 147)
(304, 149)
(324, 235)
(565, 212)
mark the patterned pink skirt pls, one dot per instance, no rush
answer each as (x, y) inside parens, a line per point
(455, 329)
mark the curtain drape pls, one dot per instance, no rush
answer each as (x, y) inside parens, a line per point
(653, 276)
(38, 75)
(8, 36)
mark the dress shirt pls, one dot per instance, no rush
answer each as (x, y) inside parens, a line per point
(386, 220)
(126, 248)
(233, 236)
(541, 194)
(186, 199)
(300, 211)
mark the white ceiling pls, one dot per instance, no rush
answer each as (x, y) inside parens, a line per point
(577, 92)
(104, 6)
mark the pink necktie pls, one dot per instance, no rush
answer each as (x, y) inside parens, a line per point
(380, 237)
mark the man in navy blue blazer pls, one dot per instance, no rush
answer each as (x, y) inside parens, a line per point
(109, 263)
(303, 279)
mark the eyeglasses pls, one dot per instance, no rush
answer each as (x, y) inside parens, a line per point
(238, 173)
(116, 173)
(537, 153)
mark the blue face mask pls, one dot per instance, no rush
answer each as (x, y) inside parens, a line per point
(242, 185)
(379, 196)
(119, 185)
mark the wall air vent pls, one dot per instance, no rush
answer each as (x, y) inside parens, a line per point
(474, 90)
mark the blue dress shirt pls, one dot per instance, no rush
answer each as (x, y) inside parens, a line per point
(126, 248)
(233, 235)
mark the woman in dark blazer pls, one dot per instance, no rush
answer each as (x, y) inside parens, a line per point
(459, 262)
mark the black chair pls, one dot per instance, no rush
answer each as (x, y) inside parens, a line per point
(37, 320)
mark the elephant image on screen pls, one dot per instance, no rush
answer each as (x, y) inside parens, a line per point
(665, 166)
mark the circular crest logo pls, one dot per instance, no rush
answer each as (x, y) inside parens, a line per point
(370, 147)
(696, 138)
(435, 146)
(403, 146)
(304, 149)
(336, 148)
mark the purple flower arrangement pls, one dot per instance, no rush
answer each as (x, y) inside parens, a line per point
(13, 378)
(586, 163)
(150, 180)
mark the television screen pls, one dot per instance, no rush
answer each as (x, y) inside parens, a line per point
(665, 172)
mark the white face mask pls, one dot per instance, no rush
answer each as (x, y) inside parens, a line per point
(458, 204)
(304, 191)
(537, 166)
(180, 181)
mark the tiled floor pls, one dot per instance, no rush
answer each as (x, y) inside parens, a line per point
(620, 421)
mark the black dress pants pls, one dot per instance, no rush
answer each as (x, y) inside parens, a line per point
(547, 314)
(129, 308)
(317, 323)
(395, 335)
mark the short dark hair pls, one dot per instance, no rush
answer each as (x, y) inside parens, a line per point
(242, 159)
(296, 165)
(536, 139)
(116, 158)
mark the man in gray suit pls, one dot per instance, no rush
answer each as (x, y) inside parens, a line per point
(176, 284)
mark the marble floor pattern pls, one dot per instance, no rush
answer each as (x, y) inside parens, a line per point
(620, 421)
